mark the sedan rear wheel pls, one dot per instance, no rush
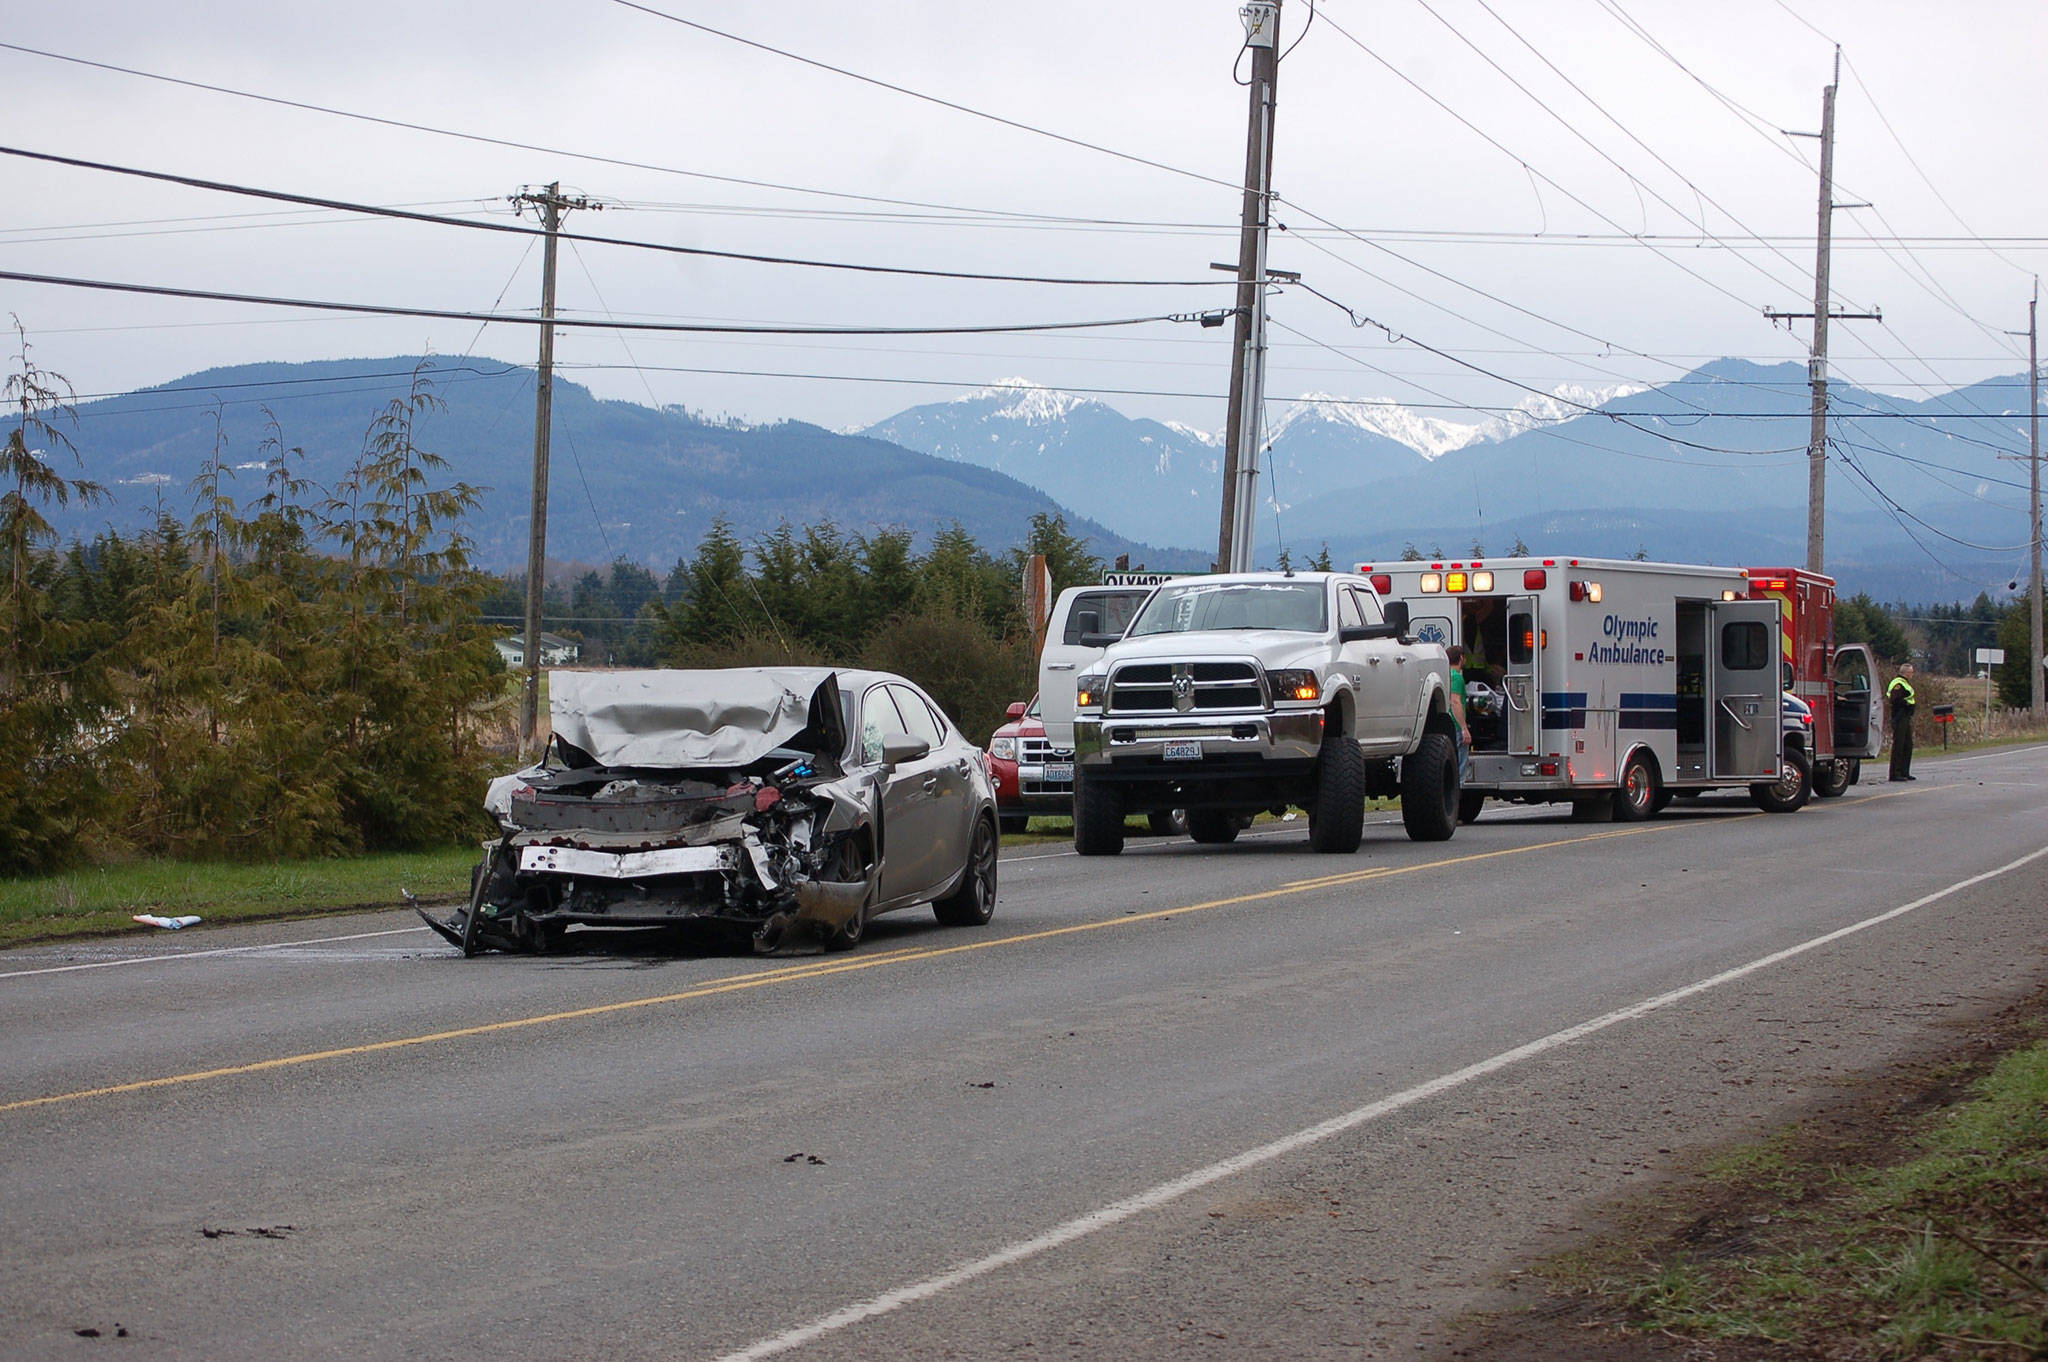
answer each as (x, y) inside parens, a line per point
(974, 902)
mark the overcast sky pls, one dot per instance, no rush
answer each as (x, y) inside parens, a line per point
(1506, 256)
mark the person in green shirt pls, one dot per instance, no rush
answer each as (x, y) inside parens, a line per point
(1456, 655)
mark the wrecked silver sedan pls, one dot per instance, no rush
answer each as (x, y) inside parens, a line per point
(790, 804)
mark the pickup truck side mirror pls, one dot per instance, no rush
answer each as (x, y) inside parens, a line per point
(1099, 640)
(902, 747)
(1360, 633)
(1397, 615)
(1088, 621)
(1015, 711)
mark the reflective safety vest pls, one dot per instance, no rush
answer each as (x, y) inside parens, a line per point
(1902, 689)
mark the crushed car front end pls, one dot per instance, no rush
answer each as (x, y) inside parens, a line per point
(713, 799)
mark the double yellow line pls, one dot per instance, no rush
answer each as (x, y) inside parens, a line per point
(792, 974)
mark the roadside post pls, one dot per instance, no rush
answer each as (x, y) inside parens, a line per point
(1987, 658)
(1945, 716)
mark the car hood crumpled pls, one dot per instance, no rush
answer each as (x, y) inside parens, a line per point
(684, 719)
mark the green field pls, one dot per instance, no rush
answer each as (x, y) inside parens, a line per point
(105, 899)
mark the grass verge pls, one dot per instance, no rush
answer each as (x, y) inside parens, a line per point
(105, 899)
(1910, 1222)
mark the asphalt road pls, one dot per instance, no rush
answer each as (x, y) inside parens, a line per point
(1238, 1101)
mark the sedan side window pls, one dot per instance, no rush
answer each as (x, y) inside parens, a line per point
(918, 720)
(879, 722)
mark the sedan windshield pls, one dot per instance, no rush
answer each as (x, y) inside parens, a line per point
(1297, 607)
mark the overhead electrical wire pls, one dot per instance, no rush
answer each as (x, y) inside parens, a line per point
(509, 229)
(486, 139)
(527, 319)
(1518, 159)
(1360, 319)
(906, 91)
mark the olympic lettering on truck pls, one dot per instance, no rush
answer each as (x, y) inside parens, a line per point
(1630, 642)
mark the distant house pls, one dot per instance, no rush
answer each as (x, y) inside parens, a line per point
(555, 651)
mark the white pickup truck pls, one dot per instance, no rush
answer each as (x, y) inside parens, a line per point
(1229, 695)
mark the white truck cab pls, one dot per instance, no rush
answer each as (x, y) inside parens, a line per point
(1080, 613)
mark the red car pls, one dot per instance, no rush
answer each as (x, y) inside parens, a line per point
(1031, 778)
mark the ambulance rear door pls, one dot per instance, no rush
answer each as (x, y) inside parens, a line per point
(1747, 701)
(1522, 676)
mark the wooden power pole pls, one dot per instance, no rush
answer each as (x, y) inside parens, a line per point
(2035, 680)
(551, 205)
(1248, 369)
(1817, 363)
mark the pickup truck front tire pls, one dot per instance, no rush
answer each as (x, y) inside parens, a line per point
(1336, 822)
(1098, 817)
(1429, 788)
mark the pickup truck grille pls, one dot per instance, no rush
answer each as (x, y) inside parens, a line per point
(1037, 752)
(1160, 687)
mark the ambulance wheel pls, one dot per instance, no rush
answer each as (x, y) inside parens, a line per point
(1790, 791)
(1098, 817)
(1213, 827)
(1831, 781)
(1637, 797)
(1469, 805)
(1337, 822)
(1429, 788)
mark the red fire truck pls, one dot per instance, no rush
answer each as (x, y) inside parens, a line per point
(1838, 681)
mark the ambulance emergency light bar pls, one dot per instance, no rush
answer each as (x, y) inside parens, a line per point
(1459, 578)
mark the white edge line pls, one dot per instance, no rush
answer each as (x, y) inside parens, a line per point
(220, 950)
(1118, 1211)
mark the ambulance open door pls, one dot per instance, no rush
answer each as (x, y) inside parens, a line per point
(1748, 717)
(1522, 678)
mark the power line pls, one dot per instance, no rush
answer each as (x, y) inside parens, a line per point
(933, 99)
(711, 328)
(482, 138)
(509, 229)
(1501, 147)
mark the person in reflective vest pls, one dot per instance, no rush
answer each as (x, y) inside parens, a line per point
(1903, 701)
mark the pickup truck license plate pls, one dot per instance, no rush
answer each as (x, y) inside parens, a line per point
(1058, 771)
(1183, 751)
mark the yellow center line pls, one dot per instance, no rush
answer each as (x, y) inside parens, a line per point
(798, 973)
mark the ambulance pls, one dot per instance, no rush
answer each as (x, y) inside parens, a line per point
(1615, 685)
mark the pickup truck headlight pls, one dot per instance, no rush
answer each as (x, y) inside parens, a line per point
(1294, 684)
(1088, 691)
(1003, 749)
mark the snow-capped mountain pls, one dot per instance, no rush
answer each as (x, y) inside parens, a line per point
(1429, 436)
(1161, 480)
(1567, 402)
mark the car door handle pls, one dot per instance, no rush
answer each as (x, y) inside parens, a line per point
(1402, 659)
(1374, 660)
(931, 783)
(1059, 666)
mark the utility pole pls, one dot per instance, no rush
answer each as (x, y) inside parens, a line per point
(2034, 486)
(2035, 680)
(1248, 369)
(1817, 364)
(551, 205)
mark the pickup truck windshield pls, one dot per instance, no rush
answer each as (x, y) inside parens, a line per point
(1298, 607)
